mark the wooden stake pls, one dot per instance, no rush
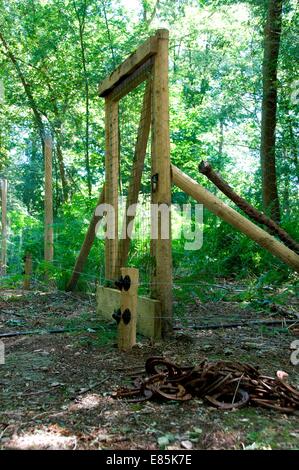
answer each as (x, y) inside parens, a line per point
(127, 324)
(111, 186)
(28, 271)
(48, 234)
(86, 246)
(4, 226)
(138, 165)
(161, 192)
(215, 205)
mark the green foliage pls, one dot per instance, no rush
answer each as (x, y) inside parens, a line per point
(215, 76)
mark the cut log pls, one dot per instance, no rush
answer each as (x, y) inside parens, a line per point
(222, 210)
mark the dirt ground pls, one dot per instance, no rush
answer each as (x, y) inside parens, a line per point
(55, 389)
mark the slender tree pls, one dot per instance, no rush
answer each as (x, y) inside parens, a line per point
(272, 34)
(81, 17)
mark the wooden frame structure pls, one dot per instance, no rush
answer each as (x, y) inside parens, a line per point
(154, 315)
(149, 63)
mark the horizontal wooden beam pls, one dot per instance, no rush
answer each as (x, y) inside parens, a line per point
(135, 60)
(132, 81)
(148, 311)
(229, 215)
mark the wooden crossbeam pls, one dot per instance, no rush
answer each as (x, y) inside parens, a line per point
(137, 169)
(132, 81)
(135, 60)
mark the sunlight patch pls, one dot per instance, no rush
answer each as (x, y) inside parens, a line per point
(88, 402)
(41, 439)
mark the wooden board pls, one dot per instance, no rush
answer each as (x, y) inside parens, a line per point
(111, 184)
(127, 330)
(148, 311)
(161, 247)
(135, 60)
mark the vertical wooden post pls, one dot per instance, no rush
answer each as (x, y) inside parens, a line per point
(111, 186)
(4, 226)
(161, 189)
(128, 321)
(27, 271)
(48, 232)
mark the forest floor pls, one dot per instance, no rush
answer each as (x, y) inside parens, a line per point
(55, 389)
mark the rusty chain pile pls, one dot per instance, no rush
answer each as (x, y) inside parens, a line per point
(224, 384)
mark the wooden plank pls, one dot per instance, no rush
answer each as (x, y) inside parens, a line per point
(132, 81)
(137, 169)
(49, 234)
(229, 215)
(27, 271)
(86, 246)
(135, 60)
(3, 226)
(128, 321)
(111, 184)
(148, 311)
(161, 193)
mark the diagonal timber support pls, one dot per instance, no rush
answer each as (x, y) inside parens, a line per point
(138, 165)
(229, 215)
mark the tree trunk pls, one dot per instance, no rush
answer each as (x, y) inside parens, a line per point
(81, 20)
(64, 182)
(272, 35)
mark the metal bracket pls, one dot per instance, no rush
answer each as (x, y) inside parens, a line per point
(154, 181)
(116, 315)
(123, 283)
(126, 316)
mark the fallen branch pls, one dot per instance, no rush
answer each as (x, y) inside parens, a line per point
(206, 169)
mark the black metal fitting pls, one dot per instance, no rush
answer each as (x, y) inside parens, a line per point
(123, 283)
(117, 315)
(126, 316)
(154, 181)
